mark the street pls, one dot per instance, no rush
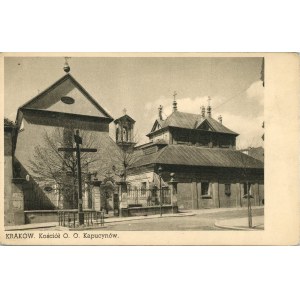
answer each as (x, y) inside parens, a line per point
(202, 220)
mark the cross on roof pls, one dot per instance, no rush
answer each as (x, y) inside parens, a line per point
(124, 111)
(174, 95)
(208, 100)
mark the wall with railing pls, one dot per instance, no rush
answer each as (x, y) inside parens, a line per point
(140, 197)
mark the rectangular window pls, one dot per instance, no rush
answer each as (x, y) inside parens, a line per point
(204, 188)
(227, 189)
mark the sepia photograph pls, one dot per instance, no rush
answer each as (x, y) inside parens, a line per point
(134, 143)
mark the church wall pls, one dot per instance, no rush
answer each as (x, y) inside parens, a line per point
(13, 191)
(32, 135)
(162, 136)
(225, 186)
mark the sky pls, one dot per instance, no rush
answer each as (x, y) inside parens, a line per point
(141, 84)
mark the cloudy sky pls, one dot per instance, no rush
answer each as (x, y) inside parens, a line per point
(141, 84)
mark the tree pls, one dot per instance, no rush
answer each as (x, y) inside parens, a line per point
(125, 157)
(50, 166)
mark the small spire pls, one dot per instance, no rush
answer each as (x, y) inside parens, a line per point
(174, 101)
(66, 66)
(202, 111)
(160, 109)
(209, 107)
(124, 111)
(208, 100)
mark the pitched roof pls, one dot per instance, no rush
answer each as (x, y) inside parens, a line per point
(124, 117)
(257, 153)
(192, 121)
(67, 86)
(196, 156)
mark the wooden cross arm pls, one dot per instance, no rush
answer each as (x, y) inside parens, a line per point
(74, 149)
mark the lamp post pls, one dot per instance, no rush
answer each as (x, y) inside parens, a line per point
(160, 189)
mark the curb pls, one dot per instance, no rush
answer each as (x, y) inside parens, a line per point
(107, 221)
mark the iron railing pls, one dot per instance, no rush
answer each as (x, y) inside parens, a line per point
(69, 218)
(148, 197)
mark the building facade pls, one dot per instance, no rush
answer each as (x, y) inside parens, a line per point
(200, 151)
(48, 122)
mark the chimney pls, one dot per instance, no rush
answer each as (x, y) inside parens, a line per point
(202, 111)
(209, 107)
(220, 119)
(160, 109)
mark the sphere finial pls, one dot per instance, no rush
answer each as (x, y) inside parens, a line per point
(66, 66)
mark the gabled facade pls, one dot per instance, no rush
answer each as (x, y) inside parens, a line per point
(193, 129)
(200, 153)
(63, 107)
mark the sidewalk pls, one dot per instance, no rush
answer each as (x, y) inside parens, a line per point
(225, 209)
(106, 221)
(241, 223)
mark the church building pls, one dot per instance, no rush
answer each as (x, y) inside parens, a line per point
(193, 155)
(48, 122)
(200, 151)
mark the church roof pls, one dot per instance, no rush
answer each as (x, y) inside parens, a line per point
(196, 156)
(191, 121)
(124, 117)
(77, 100)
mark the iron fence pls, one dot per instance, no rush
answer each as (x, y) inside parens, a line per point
(69, 218)
(148, 197)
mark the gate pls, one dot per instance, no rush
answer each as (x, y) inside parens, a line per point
(138, 197)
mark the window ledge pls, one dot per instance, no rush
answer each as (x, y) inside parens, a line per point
(206, 197)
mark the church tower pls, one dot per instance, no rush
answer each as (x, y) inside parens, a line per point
(125, 131)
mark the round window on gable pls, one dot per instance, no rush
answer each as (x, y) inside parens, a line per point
(67, 100)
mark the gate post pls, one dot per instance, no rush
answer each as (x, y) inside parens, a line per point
(173, 187)
(122, 202)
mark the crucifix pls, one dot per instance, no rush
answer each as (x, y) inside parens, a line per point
(78, 142)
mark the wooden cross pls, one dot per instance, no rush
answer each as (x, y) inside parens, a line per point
(78, 141)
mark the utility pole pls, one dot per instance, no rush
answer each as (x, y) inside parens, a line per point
(78, 150)
(160, 188)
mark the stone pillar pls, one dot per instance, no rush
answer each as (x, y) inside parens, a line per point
(122, 201)
(173, 186)
(96, 202)
(85, 204)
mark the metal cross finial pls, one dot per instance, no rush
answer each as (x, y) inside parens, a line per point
(66, 66)
(174, 95)
(124, 111)
(208, 100)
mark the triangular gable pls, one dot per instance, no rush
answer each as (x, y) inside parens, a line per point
(125, 118)
(67, 86)
(156, 126)
(204, 125)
